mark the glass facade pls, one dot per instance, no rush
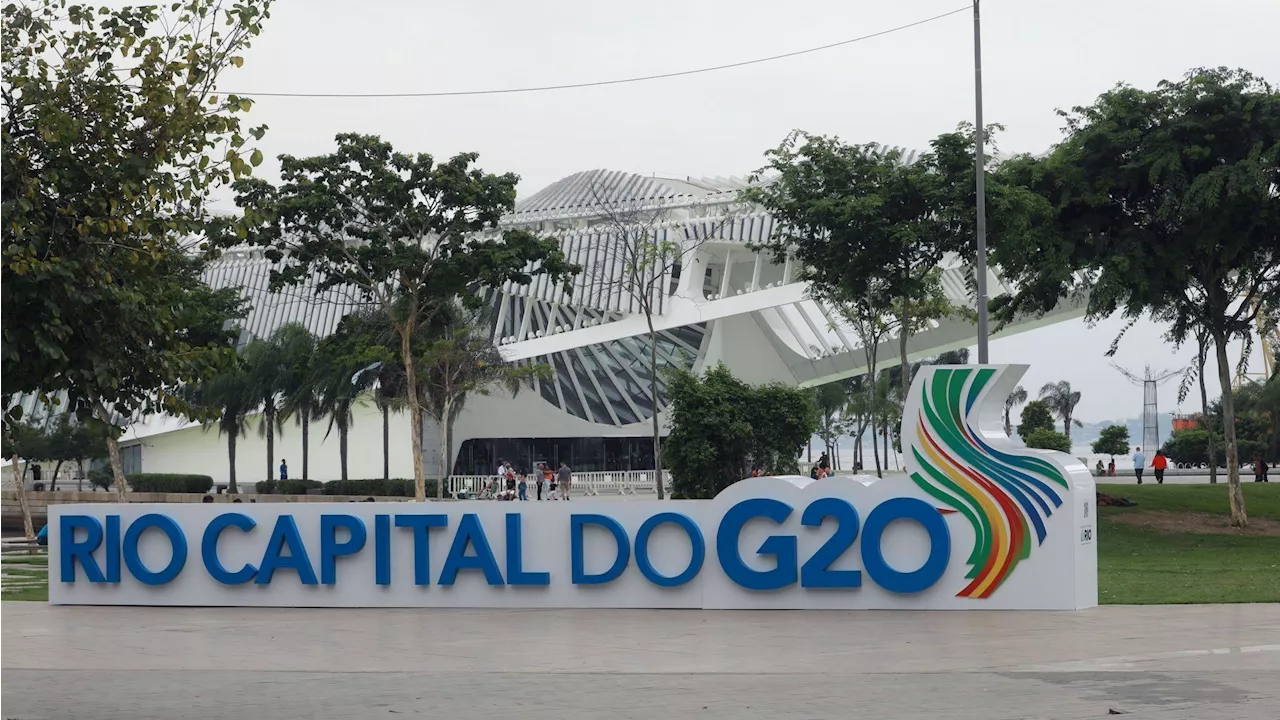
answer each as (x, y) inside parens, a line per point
(608, 383)
(480, 456)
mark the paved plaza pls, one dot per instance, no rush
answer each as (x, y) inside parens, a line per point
(1202, 662)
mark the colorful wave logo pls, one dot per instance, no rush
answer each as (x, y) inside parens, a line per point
(1005, 497)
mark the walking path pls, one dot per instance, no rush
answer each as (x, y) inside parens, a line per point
(1201, 662)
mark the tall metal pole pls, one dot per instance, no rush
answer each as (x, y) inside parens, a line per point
(980, 141)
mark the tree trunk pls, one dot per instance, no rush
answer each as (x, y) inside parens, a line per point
(305, 416)
(884, 434)
(231, 464)
(1204, 413)
(386, 442)
(1066, 424)
(1239, 517)
(653, 394)
(442, 461)
(905, 380)
(415, 411)
(53, 481)
(80, 478)
(113, 449)
(269, 417)
(20, 489)
(343, 429)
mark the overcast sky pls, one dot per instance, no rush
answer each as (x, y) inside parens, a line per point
(900, 89)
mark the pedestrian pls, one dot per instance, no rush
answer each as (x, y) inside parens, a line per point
(1139, 462)
(1259, 469)
(541, 480)
(813, 472)
(564, 478)
(284, 469)
(1111, 468)
(501, 472)
(524, 487)
(1159, 463)
(1099, 471)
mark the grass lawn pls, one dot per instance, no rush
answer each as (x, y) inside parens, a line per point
(1176, 546)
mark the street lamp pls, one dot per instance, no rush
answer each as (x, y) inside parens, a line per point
(980, 172)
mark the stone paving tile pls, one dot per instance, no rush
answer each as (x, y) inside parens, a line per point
(1150, 663)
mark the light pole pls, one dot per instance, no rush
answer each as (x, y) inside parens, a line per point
(980, 140)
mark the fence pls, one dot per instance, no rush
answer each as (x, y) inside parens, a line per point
(619, 482)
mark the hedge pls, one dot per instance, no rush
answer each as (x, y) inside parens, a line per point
(169, 482)
(395, 487)
(292, 486)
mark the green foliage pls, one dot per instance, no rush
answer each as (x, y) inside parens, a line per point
(169, 482)
(721, 427)
(375, 487)
(1047, 439)
(1062, 401)
(228, 396)
(1113, 440)
(1188, 446)
(1035, 416)
(286, 487)
(101, 478)
(112, 139)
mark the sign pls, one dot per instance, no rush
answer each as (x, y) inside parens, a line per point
(977, 523)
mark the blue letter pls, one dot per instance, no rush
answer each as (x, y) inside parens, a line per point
(642, 549)
(285, 535)
(782, 547)
(816, 571)
(112, 551)
(330, 548)
(470, 531)
(209, 548)
(382, 549)
(177, 541)
(939, 545)
(516, 574)
(620, 559)
(421, 525)
(70, 552)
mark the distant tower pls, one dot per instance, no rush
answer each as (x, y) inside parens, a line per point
(1150, 409)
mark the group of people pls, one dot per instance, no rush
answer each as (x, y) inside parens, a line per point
(1160, 461)
(821, 469)
(512, 485)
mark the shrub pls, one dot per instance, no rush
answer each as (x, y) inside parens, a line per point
(101, 478)
(169, 482)
(297, 486)
(395, 487)
(1047, 439)
(265, 487)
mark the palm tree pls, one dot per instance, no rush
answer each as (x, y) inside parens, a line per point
(267, 375)
(230, 397)
(1062, 401)
(297, 350)
(1016, 398)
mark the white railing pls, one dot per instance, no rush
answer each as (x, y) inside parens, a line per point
(613, 482)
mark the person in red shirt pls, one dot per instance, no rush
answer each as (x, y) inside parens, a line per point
(1159, 463)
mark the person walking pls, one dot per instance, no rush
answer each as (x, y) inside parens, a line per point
(541, 480)
(564, 478)
(1259, 469)
(1139, 463)
(1159, 463)
(284, 469)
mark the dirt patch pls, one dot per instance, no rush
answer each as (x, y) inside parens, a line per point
(1184, 522)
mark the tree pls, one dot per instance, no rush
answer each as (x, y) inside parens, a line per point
(400, 232)
(1196, 372)
(1035, 415)
(345, 365)
(639, 258)
(1113, 440)
(1017, 397)
(1165, 202)
(462, 361)
(268, 372)
(721, 427)
(1048, 439)
(112, 140)
(1188, 446)
(1062, 401)
(228, 397)
(830, 400)
(297, 383)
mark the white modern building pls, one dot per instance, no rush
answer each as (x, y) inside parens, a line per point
(721, 302)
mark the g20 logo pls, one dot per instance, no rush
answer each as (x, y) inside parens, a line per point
(816, 570)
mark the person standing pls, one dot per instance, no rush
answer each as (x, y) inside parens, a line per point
(1139, 462)
(564, 478)
(1259, 469)
(284, 469)
(1159, 463)
(524, 487)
